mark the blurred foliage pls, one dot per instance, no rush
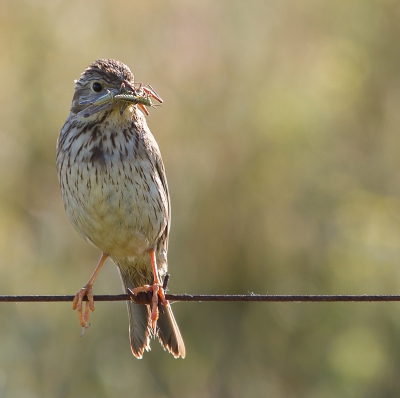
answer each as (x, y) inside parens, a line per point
(280, 136)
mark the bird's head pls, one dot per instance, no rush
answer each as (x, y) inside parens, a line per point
(99, 83)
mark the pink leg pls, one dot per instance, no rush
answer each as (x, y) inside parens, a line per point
(77, 303)
(156, 288)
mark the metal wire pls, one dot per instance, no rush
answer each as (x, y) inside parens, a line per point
(213, 298)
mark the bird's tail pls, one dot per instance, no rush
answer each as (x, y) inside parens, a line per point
(140, 329)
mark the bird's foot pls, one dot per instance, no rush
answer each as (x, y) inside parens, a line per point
(77, 304)
(158, 294)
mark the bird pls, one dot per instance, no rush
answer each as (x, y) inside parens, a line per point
(115, 193)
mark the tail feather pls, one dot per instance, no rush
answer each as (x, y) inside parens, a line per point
(169, 334)
(140, 329)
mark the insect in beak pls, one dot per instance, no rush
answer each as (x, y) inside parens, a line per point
(145, 92)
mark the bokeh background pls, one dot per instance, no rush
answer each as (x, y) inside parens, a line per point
(280, 137)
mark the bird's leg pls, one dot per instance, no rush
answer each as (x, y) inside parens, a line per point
(158, 291)
(87, 291)
(156, 288)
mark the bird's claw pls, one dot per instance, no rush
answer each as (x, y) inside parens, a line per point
(158, 294)
(77, 304)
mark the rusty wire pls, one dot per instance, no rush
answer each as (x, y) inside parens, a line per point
(212, 298)
(146, 298)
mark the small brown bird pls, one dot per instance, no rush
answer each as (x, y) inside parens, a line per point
(115, 193)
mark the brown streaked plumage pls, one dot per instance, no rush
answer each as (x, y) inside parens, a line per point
(115, 193)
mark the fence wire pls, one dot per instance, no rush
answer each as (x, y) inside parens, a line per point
(212, 298)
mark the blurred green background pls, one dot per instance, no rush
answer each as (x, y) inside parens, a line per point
(280, 137)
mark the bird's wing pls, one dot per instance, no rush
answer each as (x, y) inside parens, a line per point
(161, 173)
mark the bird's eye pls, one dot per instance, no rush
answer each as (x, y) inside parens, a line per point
(97, 87)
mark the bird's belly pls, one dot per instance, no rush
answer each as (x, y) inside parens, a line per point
(122, 220)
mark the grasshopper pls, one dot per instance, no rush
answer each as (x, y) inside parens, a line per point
(145, 93)
(138, 94)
